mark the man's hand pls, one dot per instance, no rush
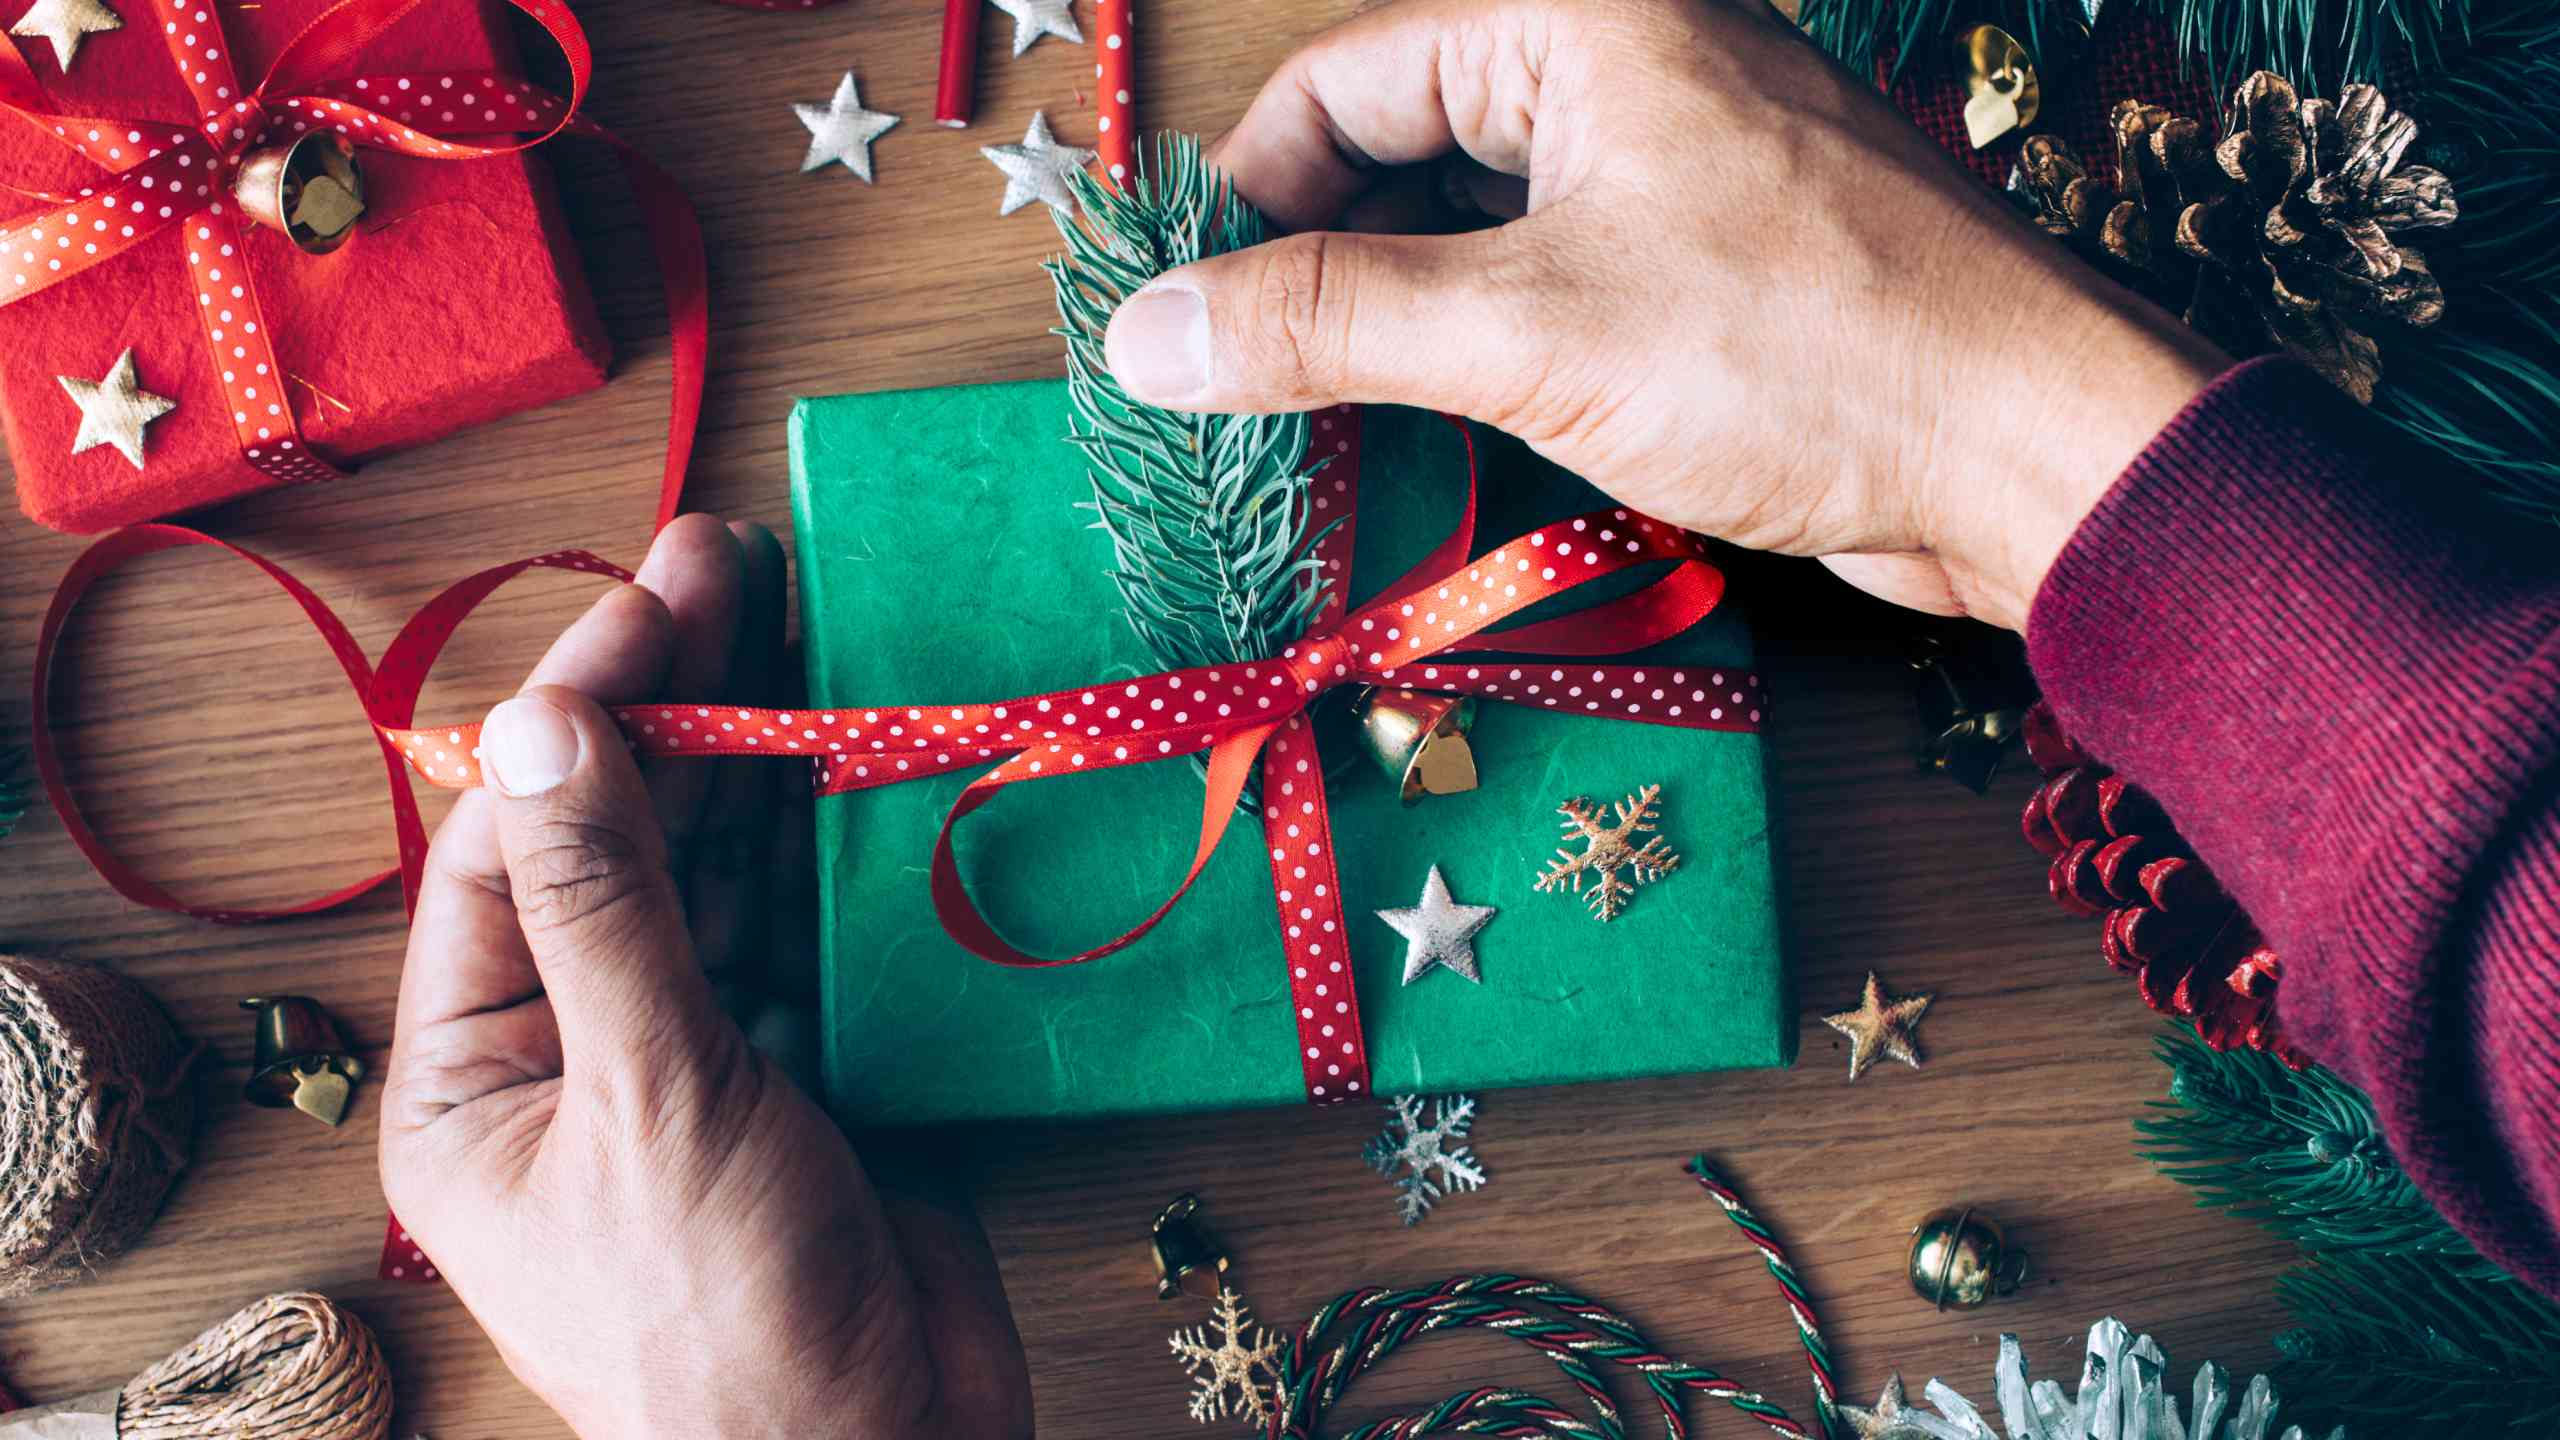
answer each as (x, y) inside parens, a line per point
(663, 1236)
(1745, 295)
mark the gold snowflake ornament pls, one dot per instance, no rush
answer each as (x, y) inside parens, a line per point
(1237, 1375)
(1610, 853)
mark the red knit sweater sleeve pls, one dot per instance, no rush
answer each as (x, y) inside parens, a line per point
(2341, 675)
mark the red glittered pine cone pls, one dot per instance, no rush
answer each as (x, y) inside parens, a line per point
(2192, 951)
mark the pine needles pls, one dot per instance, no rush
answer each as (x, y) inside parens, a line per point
(2298, 1151)
(2318, 44)
(13, 790)
(2401, 1346)
(2400, 1326)
(1208, 514)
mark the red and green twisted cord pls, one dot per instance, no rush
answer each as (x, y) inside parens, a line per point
(1360, 1328)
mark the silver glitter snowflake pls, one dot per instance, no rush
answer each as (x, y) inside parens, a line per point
(2123, 1393)
(1235, 1375)
(1435, 1157)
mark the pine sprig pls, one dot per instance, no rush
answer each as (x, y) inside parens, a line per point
(2319, 44)
(2298, 1151)
(2401, 1327)
(13, 790)
(2401, 1345)
(1208, 514)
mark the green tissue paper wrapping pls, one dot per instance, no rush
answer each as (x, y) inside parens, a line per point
(942, 559)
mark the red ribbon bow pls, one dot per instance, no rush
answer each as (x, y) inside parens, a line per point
(157, 176)
(1256, 711)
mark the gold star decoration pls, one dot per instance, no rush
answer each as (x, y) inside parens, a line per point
(1887, 1421)
(66, 23)
(116, 410)
(1877, 1027)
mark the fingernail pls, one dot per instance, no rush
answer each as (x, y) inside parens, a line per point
(527, 746)
(1158, 348)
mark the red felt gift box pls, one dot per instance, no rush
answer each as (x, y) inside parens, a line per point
(457, 300)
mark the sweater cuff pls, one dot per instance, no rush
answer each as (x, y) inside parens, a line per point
(2337, 671)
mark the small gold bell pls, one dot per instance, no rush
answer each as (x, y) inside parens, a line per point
(311, 190)
(1421, 740)
(1960, 1257)
(1184, 1247)
(300, 1059)
(1999, 81)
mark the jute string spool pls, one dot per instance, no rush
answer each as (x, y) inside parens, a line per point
(290, 1367)
(95, 1114)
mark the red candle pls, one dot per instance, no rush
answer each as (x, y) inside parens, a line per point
(955, 95)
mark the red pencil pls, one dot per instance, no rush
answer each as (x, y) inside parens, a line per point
(955, 94)
(1114, 83)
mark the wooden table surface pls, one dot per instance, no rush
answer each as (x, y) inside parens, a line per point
(218, 749)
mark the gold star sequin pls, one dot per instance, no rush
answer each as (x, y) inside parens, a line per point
(116, 410)
(66, 23)
(1878, 1027)
(1887, 1421)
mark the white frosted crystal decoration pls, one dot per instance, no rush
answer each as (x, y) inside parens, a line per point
(2123, 1395)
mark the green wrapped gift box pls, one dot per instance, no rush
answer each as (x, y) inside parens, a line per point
(942, 558)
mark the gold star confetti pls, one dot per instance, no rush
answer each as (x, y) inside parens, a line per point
(1878, 1027)
(66, 23)
(115, 411)
(1887, 1421)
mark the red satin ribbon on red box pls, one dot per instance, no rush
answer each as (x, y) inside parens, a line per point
(155, 176)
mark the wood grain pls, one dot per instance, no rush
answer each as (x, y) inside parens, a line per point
(218, 749)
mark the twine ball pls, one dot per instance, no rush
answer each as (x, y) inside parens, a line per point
(290, 1367)
(95, 1111)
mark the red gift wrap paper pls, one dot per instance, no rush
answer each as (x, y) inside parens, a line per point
(459, 299)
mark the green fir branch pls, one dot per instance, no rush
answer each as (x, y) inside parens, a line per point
(2318, 44)
(1208, 515)
(2482, 389)
(13, 790)
(2400, 1326)
(2490, 120)
(2404, 1345)
(2298, 1151)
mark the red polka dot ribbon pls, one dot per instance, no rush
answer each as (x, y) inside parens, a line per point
(156, 176)
(1432, 631)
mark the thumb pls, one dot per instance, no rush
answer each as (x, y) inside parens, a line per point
(587, 867)
(1324, 318)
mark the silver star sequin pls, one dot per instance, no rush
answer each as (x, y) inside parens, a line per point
(1439, 931)
(1035, 18)
(116, 410)
(841, 130)
(1037, 169)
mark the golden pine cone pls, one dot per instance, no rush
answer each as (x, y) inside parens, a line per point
(2285, 235)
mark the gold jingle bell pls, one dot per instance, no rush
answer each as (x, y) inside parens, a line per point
(1420, 740)
(1185, 1248)
(300, 1060)
(311, 190)
(1960, 1257)
(2000, 84)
